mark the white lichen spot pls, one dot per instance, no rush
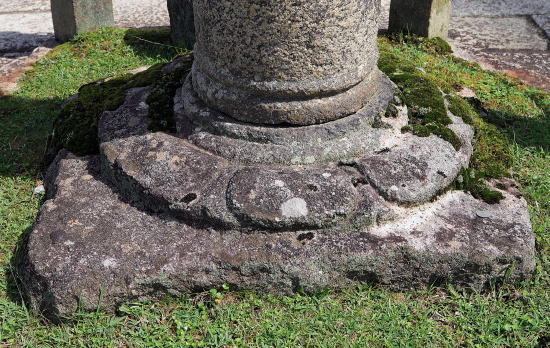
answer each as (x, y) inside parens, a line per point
(109, 263)
(309, 160)
(327, 175)
(279, 183)
(294, 208)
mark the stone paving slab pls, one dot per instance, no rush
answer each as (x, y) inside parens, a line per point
(494, 8)
(10, 6)
(24, 31)
(515, 33)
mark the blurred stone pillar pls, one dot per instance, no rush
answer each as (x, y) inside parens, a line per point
(71, 17)
(182, 22)
(428, 18)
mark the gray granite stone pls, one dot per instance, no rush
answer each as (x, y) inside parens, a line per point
(91, 249)
(342, 139)
(414, 171)
(301, 63)
(130, 119)
(428, 18)
(499, 8)
(71, 17)
(543, 21)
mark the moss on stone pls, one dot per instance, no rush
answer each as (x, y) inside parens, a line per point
(76, 128)
(461, 108)
(161, 98)
(471, 180)
(422, 94)
(424, 100)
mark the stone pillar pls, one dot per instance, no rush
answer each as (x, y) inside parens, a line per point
(285, 62)
(71, 17)
(428, 18)
(182, 27)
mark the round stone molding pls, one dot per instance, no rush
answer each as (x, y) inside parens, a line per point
(285, 62)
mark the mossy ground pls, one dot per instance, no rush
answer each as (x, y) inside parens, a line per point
(515, 117)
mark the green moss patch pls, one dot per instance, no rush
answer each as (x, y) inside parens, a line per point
(472, 181)
(428, 115)
(425, 102)
(76, 127)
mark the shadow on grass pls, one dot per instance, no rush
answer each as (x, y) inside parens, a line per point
(525, 131)
(25, 124)
(152, 43)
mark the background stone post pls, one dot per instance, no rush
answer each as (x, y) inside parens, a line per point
(182, 26)
(71, 17)
(428, 18)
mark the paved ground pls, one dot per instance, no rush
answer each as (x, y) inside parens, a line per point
(508, 35)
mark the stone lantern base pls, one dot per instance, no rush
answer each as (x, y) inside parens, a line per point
(273, 209)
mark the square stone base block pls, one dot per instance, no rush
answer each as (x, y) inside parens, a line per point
(88, 247)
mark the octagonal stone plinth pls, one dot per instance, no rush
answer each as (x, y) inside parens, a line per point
(155, 215)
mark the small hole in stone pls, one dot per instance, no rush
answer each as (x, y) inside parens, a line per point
(306, 236)
(189, 198)
(313, 187)
(403, 185)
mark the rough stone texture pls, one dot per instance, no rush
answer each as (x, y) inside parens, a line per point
(88, 246)
(182, 24)
(341, 139)
(287, 60)
(543, 21)
(514, 45)
(429, 18)
(413, 172)
(130, 119)
(517, 33)
(71, 17)
(500, 8)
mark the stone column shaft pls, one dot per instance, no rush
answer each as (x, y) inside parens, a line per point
(276, 62)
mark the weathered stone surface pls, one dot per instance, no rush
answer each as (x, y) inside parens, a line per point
(182, 25)
(414, 171)
(299, 63)
(295, 198)
(89, 247)
(429, 18)
(130, 119)
(162, 173)
(71, 17)
(338, 140)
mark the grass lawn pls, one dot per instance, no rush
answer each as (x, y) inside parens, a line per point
(512, 315)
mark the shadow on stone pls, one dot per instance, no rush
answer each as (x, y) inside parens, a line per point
(13, 41)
